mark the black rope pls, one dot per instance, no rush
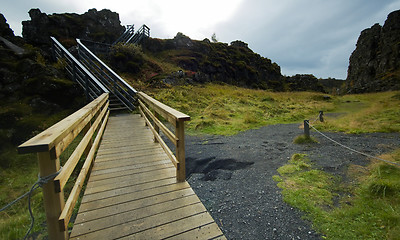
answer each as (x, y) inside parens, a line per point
(39, 183)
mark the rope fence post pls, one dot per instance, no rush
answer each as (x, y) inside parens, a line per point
(321, 116)
(306, 128)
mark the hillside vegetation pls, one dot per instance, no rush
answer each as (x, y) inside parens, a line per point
(224, 109)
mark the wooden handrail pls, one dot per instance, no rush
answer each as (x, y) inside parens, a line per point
(51, 143)
(60, 135)
(177, 119)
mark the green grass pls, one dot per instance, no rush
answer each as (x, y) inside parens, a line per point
(366, 209)
(303, 139)
(17, 179)
(226, 110)
(362, 113)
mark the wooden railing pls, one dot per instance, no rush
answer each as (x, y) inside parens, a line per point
(151, 110)
(51, 143)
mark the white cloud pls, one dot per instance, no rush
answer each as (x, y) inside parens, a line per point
(309, 36)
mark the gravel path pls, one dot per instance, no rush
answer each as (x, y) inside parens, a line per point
(233, 176)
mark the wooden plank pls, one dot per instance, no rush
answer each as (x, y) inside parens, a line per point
(126, 172)
(133, 194)
(209, 231)
(173, 228)
(130, 154)
(131, 179)
(143, 224)
(117, 150)
(98, 174)
(143, 178)
(127, 160)
(135, 214)
(126, 206)
(107, 200)
(66, 128)
(125, 141)
(128, 189)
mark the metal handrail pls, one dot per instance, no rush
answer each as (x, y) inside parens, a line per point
(76, 67)
(128, 32)
(118, 86)
(122, 81)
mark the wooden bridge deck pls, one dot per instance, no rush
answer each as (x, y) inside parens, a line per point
(132, 191)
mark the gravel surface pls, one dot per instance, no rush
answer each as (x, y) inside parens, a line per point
(233, 176)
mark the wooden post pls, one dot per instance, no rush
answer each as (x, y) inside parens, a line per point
(156, 127)
(180, 151)
(321, 116)
(306, 128)
(53, 202)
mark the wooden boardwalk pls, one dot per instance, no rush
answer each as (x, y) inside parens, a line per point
(132, 192)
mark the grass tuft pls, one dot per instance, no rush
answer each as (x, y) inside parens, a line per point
(367, 209)
(303, 139)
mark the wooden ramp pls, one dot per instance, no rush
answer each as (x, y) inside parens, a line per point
(132, 192)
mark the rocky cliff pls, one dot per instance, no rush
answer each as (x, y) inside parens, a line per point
(101, 26)
(375, 63)
(205, 61)
(33, 92)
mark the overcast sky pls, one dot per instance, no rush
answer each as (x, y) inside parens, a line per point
(307, 37)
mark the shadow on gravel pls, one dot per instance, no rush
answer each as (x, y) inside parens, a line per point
(214, 168)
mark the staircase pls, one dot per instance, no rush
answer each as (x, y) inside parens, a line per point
(78, 72)
(122, 95)
(130, 36)
(95, 77)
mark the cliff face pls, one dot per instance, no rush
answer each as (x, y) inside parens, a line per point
(100, 26)
(204, 61)
(375, 63)
(33, 92)
(5, 30)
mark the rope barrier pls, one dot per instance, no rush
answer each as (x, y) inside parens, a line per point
(316, 118)
(39, 183)
(351, 149)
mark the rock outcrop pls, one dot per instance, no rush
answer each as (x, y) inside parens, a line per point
(101, 26)
(375, 63)
(303, 82)
(31, 90)
(204, 61)
(5, 30)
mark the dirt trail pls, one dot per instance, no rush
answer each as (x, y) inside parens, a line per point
(233, 176)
